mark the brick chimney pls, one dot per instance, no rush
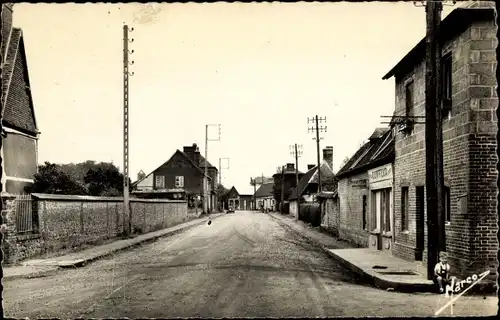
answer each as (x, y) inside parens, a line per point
(328, 156)
(7, 12)
(290, 167)
(310, 166)
(190, 151)
(196, 154)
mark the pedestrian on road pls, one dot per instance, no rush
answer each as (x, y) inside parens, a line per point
(442, 272)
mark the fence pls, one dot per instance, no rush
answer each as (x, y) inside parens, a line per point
(25, 219)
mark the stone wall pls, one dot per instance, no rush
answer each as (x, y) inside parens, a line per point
(350, 226)
(65, 223)
(331, 209)
(469, 151)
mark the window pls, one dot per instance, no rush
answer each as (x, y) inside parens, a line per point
(447, 205)
(374, 210)
(179, 181)
(408, 98)
(405, 204)
(160, 182)
(364, 212)
(446, 84)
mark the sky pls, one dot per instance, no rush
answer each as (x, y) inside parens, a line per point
(259, 70)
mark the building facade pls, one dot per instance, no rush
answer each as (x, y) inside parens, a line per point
(19, 148)
(181, 172)
(469, 145)
(264, 197)
(287, 180)
(365, 193)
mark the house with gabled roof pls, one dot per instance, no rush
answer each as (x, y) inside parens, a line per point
(184, 170)
(308, 186)
(19, 147)
(365, 193)
(236, 200)
(264, 197)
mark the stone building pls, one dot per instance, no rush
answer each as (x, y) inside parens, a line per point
(365, 194)
(468, 41)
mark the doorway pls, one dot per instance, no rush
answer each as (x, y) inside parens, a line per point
(420, 222)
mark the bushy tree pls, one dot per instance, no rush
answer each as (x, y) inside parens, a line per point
(52, 179)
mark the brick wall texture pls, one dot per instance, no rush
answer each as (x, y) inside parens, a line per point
(469, 142)
(350, 227)
(65, 225)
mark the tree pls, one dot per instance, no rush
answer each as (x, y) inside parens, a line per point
(140, 175)
(106, 180)
(52, 179)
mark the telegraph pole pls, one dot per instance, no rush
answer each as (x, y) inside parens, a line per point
(220, 174)
(317, 129)
(297, 152)
(205, 179)
(433, 138)
(126, 74)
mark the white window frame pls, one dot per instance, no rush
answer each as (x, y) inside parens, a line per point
(179, 181)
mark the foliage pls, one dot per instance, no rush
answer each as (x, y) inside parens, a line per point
(52, 179)
(141, 175)
(85, 178)
(221, 192)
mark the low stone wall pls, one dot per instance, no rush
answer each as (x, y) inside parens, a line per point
(65, 223)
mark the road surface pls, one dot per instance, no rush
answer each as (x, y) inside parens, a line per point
(242, 265)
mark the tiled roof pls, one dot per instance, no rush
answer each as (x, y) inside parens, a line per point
(303, 183)
(203, 162)
(17, 103)
(265, 190)
(311, 176)
(374, 151)
(455, 23)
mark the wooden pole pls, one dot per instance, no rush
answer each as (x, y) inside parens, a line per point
(434, 210)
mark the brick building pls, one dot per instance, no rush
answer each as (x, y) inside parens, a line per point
(19, 148)
(365, 194)
(468, 40)
(184, 170)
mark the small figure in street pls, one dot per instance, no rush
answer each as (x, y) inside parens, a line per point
(442, 272)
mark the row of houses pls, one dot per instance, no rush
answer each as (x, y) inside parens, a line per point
(380, 201)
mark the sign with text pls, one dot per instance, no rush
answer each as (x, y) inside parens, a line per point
(380, 174)
(358, 183)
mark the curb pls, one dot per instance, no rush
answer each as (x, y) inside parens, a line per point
(363, 275)
(85, 261)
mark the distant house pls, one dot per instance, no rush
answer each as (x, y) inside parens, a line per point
(182, 171)
(264, 197)
(238, 201)
(19, 148)
(309, 184)
(365, 193)
(288, 180)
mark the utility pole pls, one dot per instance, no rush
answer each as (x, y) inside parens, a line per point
(317, 129)
(433, 138)
(205, 178)
(297, 152)
(220, 175)
(126, 74)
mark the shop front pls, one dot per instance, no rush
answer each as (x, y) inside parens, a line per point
(381, 207)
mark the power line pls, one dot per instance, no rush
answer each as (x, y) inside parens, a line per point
(317, 129)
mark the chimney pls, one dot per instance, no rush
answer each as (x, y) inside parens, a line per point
(189, 151)
(328, 156)
(310, 166)
(196, 154)
(290, 167)
(7, 12)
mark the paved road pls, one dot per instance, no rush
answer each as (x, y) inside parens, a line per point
(242, 265)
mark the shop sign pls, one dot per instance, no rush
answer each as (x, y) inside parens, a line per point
(358, 183)
(380, 173)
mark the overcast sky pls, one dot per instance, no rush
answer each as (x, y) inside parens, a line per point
(257, 69)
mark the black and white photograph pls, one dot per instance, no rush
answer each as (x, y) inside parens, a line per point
(249, 159)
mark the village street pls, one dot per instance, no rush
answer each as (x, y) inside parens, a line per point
(242, 265)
